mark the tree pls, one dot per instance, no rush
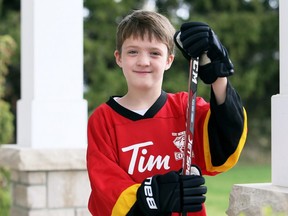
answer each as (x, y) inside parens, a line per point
(7, 47)
(249, 30)
(10, 26)
(102, 77)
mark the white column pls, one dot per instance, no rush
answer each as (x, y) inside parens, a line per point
(279, 113)
(52, 112)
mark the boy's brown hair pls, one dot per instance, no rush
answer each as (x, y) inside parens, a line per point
(140, 23)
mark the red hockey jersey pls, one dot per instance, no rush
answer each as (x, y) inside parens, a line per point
(124, 147)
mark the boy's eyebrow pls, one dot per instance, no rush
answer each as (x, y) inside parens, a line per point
(131, 46)
(150, 48)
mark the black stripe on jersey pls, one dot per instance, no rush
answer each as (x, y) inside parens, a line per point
(151, 112)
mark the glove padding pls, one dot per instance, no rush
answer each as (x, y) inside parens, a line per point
(196, 38)
(171, 192)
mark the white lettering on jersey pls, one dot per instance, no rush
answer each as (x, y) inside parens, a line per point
(145, 163)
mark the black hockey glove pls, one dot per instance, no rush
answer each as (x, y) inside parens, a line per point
(171, 192)
(195, 39)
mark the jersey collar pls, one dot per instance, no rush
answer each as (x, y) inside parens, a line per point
(151, 112)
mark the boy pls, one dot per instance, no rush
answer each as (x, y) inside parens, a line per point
(135, 141)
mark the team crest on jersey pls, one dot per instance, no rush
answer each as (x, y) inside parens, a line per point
(179, 142)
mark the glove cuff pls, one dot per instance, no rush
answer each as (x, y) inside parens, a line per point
(210, 72)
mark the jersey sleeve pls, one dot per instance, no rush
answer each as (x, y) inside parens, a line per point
(225, 131)
(113, 192)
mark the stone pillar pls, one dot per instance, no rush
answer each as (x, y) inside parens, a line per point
(258, 199)
(51, 112)
(279, 108)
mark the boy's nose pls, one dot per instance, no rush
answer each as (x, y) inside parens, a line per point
(143, 60)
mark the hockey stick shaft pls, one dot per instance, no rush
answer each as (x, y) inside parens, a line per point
(191, 111)
(190, 121)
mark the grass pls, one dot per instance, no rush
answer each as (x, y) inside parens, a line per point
(219, 187)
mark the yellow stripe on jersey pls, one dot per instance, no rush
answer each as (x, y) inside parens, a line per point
(233, 158)
(125, 201)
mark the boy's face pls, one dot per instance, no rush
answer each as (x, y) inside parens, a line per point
(143, 62)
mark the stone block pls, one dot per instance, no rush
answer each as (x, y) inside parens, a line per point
(67, 189)
(15, 176)
(52, 212)
(27, 159)
(18, 211)
(83, 212)
(33, 178)
(257, 200)
(29, 196)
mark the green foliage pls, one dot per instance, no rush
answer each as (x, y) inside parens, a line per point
(249, 30)
(6, 123)
(268, 211)
(10, 27)
(102, 76)
(5, 198)
(7, 47)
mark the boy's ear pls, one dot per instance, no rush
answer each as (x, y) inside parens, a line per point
(170, 60)
(117, 56)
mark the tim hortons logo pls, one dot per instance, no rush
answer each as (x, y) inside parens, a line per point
(142, 160)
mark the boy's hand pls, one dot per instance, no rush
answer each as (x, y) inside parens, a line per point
(197, 39)
(171, 192)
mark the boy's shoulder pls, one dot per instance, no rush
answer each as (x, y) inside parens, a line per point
(99, 111)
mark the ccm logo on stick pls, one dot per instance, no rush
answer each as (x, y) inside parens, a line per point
(195, 71)
(149, 193)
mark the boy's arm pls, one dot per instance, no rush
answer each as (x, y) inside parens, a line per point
(219, 89)
(227, 131)
(225, 125)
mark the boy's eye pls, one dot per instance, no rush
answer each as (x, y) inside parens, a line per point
(132, 52)
(155, 53)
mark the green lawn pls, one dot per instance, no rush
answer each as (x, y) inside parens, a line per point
(219, 186)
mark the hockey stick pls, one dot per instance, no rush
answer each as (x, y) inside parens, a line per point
(190, 121)
(191, 111)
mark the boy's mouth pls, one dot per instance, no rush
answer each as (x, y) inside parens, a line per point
(142, 72)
